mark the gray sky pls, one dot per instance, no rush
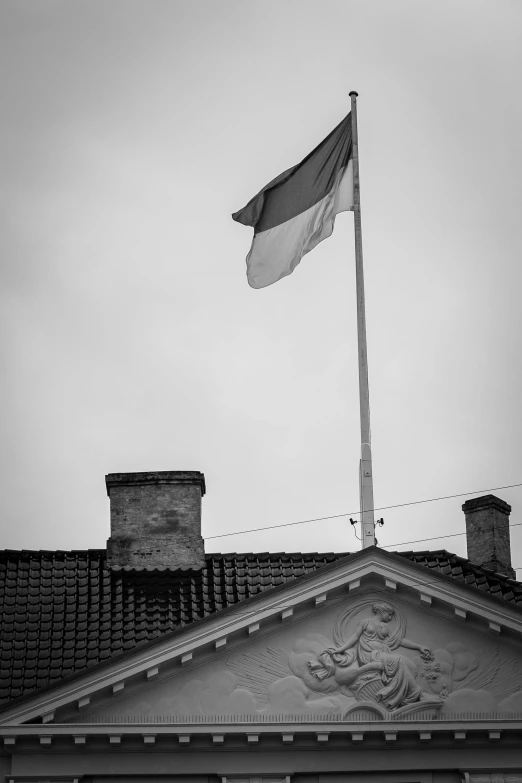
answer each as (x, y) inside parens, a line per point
(130, 338)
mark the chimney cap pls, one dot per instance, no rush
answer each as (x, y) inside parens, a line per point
(155, 477)
(486, 501)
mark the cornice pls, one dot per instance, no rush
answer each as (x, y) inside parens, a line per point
(320, 731)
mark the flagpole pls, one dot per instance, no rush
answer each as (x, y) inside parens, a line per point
(365, 465)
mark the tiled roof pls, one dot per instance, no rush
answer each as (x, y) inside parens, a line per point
(465, 571)
(61, 612)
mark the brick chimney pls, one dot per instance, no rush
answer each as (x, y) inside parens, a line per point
(487, 533)
(156, 519)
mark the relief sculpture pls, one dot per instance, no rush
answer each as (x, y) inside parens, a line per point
(370, 666)
(369, 663)
(365, 664)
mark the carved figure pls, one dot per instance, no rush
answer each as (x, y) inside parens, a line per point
(379, 673)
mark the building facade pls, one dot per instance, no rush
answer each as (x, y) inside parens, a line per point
(154, 661)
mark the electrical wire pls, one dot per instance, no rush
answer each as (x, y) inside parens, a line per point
(434, 538)
(449, 535)
(380, 508)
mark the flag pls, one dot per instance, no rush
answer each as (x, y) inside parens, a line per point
(297, 210)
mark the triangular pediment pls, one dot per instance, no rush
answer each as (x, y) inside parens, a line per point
(304, 668)
(368, 637)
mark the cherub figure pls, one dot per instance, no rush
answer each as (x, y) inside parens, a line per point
(371, 646)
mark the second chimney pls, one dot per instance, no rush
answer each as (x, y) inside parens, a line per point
(156, 519)
(487, 533)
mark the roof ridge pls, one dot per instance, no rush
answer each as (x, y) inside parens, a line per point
(277, 554)
(53, 551)
(103, 551)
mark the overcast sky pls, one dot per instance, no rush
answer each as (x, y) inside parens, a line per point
(130, 131)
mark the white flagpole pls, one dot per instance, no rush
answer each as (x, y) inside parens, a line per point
(365, 465)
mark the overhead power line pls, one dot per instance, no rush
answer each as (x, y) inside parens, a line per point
(449, 535)
(381, 508)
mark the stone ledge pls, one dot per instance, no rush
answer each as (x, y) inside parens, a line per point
(155, 477)
(487, 501)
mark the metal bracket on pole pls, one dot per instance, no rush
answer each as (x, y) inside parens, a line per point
(366, 497)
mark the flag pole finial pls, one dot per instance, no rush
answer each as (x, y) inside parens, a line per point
(353, 92)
